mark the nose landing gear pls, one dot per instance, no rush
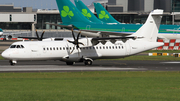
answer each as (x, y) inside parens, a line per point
(12, 62)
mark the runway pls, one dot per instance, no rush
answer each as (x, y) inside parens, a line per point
(98, 65)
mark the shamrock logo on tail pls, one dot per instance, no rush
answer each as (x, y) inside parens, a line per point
(66, 12)
(85, 13)
(103, 15)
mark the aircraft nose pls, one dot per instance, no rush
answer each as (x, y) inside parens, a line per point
(5, 54)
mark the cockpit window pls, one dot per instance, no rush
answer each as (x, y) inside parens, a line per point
(16, 46)
(13, 46)
(22, 46)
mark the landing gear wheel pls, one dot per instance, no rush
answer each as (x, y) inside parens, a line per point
(88, 62)
(69, 63)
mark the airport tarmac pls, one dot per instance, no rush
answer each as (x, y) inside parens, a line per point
(98, 65)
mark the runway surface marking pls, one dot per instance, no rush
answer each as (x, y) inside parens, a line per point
(62, 68)
(170, 62)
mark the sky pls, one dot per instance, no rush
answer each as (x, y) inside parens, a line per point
(37, 4)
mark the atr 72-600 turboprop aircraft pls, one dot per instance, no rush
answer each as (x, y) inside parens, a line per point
(88, 49)
(84, 20)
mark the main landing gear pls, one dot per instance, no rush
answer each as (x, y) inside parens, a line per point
(87, 62)
(12, 62)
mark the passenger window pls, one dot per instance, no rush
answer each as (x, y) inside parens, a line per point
(122, 47)
(57, 48)
(44, 48)
(119, 47)
(50, 48)
(47, 48)
(103, 47)
(100, 47)
(96, 47)
(60, 48)
(106, 47)
(109, 47)
(112, 47)
(63, 48)
(54, 48)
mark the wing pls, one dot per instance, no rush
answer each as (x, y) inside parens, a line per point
(92, 33)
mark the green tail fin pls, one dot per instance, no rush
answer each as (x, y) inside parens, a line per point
(69, 13)
(86, 12)
(103, 14)
(1, 30)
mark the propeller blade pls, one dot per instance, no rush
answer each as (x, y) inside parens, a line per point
(42, 35)
(73, 34)
(37, 35)
(78, 36)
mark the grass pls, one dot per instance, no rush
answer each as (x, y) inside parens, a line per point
(90, 86)
(1, 58)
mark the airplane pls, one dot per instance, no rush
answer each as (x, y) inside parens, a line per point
(95, 29)
(2, 34)
(8, 35)
(89, 49)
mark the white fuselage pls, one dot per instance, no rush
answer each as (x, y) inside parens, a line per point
(61, 50)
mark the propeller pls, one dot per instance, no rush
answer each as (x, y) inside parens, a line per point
(76, 40)
(40, 38)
